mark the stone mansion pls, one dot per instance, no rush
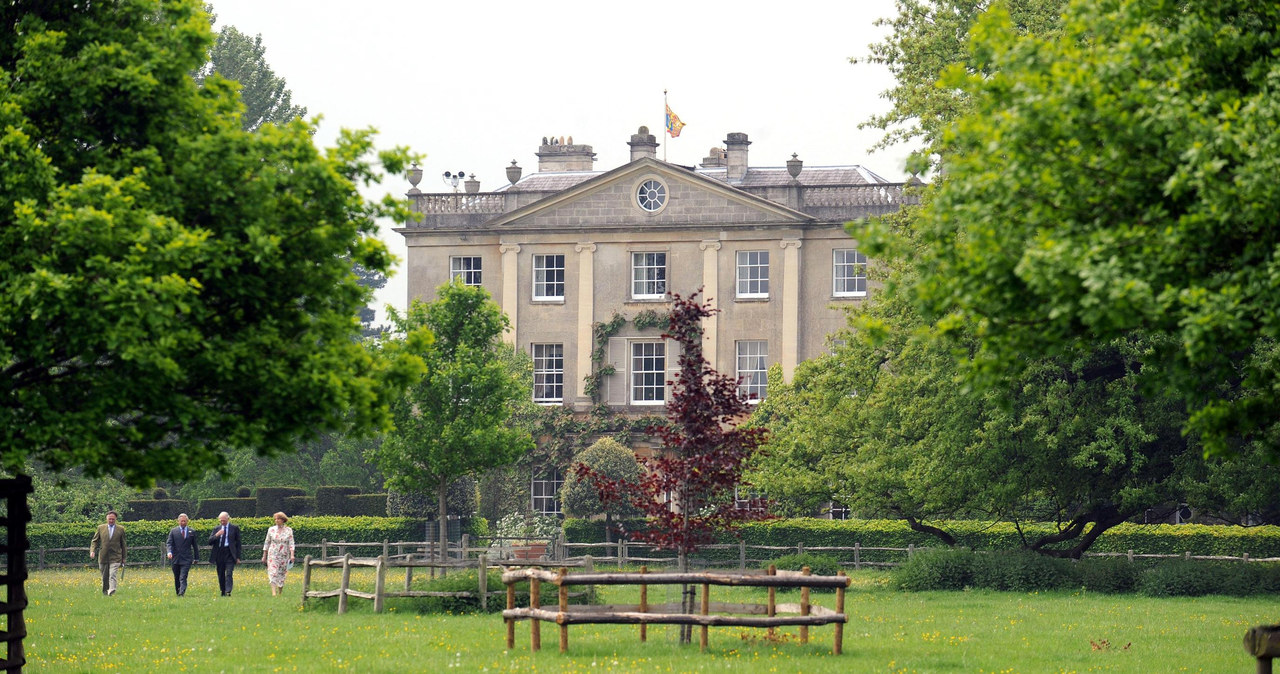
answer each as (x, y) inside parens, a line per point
(569, 247)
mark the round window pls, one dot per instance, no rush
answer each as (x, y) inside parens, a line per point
(651, 195)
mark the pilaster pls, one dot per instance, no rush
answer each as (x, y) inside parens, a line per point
(790, 306)
(510, 287)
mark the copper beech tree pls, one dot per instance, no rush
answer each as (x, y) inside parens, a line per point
(686, 494)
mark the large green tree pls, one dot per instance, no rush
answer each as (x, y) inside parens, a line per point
(1118, 180)
(243, 59)
(453, 421)
(172, 286)
(926, 38)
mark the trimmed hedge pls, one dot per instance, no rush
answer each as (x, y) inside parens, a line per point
(235, 507)
(1172, 539)
(306, 530)
(299, 505)
(1029, 572)
(162, 509)
(333, 500)
(271, 499)
(367, 505)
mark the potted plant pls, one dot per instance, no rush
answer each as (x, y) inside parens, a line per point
(525, 535)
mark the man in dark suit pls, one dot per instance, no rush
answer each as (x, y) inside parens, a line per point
(225, 551)
(182, 552)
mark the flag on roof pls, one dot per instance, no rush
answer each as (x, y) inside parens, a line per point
(673, 123)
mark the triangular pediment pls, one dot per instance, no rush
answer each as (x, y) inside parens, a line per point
(609, 201)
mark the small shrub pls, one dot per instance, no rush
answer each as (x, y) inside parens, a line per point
(243, 492)
(819, 565)
(936, 570)
(1195, 578)
(160, 494)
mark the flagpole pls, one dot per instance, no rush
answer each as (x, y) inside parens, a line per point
(665, 108)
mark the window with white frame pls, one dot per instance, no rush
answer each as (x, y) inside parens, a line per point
(753, 273)
(648, 373)
(648, 276)
(548, 373)
(746, 498)
(838, 511)
(546, 492)
(849, 273)
(753, 369)
(465, 268)
(548, 277)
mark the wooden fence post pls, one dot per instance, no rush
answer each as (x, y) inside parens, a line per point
(622, 553)
(804, 606)
(484, 582)
(589, 566)
(857, 556)
(742, 556)
(839, 640)
(911, 550)
(706, 610)
(535, 625)
(644, 604)
(800, 548)
(346, 582)
(380, 585)
(466, 543)
(306, 577)
(40, 563)
(1131, 555)
(511, 622)
(386, 549)
(408, 578)
(564, 608)
(772, 609)
(324, 549)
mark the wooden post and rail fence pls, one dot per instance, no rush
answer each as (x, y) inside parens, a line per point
(710, 614)
(14, 548)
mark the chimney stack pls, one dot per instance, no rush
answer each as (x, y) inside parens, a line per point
(715, 158)
(643, 144)
(736, 157)
(557, 155)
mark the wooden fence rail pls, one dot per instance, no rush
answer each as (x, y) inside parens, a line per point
(805, 614)
(554, 553)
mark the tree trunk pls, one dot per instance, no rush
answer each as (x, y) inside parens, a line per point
(442, 492)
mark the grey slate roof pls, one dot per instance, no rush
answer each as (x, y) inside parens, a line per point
(766, 176)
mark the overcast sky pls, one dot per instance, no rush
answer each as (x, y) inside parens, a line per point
(474, 85)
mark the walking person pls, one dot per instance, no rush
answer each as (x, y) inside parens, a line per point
(108, 542)
(181, 551)
(225, 552)
(277, 553)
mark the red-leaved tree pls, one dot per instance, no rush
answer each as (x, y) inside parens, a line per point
(687, 492)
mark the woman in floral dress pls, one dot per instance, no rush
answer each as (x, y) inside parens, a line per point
(277, 553)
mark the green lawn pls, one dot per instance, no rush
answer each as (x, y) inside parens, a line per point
(144, 628)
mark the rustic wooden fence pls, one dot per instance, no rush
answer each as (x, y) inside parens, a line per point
(16, 515)
(805, 614)
(407, 562)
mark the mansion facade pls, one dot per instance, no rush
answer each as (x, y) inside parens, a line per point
(583, 261)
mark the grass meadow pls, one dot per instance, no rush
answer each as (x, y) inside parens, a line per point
(145, 628)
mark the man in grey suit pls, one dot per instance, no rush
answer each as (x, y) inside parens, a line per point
(181, 551)
(109, 539)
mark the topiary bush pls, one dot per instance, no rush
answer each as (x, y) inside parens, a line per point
(235, 507)
(299, 505)
(271, 499)
(159, 494)
(151, 510)
(332, 500)
(243, 492)
(367, 505)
